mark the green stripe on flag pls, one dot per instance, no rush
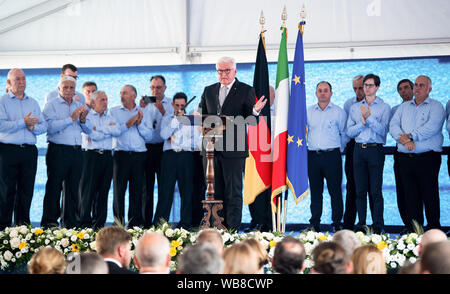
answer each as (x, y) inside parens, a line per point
(282, 67)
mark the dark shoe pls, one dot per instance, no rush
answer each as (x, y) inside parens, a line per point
(360, 228)
(335, 228)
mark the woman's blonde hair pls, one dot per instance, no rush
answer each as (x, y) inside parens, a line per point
(263, 257)
(48, 260)
(240, 258)
(368, 259)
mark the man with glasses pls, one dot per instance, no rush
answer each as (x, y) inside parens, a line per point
(232, 98)
(417, 128)
(154, 146)
(368, 123)
(71, 71)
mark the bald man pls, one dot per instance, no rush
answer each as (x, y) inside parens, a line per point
(417, 128)
(20, 122)
(152, 254)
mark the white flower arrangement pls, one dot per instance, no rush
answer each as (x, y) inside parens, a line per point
(17, 245)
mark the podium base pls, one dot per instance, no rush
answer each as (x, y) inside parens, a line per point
(212, 207)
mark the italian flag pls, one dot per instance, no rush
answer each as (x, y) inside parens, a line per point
(281, 121)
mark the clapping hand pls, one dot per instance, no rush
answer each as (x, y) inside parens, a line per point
(30, 121)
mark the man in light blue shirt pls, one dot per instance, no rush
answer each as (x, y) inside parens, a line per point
(405, 90)
(129, 156)
(326, 139)
(180, 139)
(97, 163)
(71, 71)
(417, 128)
(350, 197)
(20, 122)
(66, 120)
(156, 110)
(368, 123)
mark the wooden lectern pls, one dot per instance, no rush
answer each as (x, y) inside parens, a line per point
(211, 130)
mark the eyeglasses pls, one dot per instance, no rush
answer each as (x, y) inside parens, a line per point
(369, 85)
(225, 71)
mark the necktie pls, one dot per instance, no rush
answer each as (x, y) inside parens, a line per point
(223, 94)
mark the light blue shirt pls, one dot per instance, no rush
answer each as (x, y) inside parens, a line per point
(326, 128)
(61, 129)
(447, 107)
(184, 136)
(133, 138)
(349, 104)
(377, 124)
(424, 122)
(55, 94)
(106, 128)
(12, 125)
(157, 117)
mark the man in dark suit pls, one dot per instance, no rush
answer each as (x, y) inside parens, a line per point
(113, 244)
(236, 100)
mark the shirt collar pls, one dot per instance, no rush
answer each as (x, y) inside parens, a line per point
(112, 260)
(228, 86)
(426, 101)
(11, 95)
(316, 106)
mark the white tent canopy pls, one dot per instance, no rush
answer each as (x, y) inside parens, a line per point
(103, 33)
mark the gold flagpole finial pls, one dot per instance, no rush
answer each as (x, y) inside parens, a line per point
(284, 16)
(302, 23)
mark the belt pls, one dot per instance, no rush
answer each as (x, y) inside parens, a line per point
(99, 151)
(176, 150)
(413, 155)
(76, 147)
(323, 150)
(365, 145)
(18, 145)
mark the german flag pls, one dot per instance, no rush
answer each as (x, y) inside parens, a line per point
(258, 166)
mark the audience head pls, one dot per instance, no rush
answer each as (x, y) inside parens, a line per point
(48, 260)
(289, 256)
(152, 253)
(435, 258)
(92, 264)
(431, 236)
(211, 236)
(348, 240)
(240, 258)
(114, 242)
(330, 258)
(200, 258)
(368, 259)
(256, 246)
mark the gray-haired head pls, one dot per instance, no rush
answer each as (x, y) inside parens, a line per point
(91, 264)
(66, 78)
(226, 59)
(152, 249)
(348, 240)
(358, 77)
(95, 95)
(200, 258)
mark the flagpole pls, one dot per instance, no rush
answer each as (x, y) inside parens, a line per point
(262, 21)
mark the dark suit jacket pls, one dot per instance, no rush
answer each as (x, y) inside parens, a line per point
(239, 102)
(117, 270)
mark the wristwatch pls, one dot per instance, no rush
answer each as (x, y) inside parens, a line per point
(410, 137)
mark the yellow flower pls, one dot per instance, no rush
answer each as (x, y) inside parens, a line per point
(175, 243)
(80, 235)
(75, 248)
(322, 238)
(38, 231)
(381, 245)
(272, 244)
(22, 245)
(173, 251)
